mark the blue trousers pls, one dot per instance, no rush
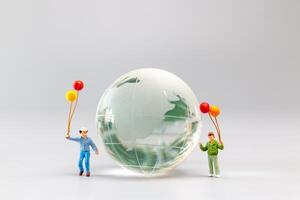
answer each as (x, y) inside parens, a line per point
(86, 156)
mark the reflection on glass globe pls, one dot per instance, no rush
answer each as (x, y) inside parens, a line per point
(149, 121)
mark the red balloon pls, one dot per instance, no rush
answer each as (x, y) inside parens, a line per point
(204, 107)
(78, 85)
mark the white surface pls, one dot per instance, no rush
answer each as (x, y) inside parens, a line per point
(260, 161)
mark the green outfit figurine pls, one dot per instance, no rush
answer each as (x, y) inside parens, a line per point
(212, 147)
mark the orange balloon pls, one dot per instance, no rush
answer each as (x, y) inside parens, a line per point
(214, 111)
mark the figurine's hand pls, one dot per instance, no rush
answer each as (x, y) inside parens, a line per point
(97, 152)
(68, 133)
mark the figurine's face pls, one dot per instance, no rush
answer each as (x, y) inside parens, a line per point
(84, 133)
(211, 137)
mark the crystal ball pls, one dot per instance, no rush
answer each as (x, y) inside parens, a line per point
(149, 121)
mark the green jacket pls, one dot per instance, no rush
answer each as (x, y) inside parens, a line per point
(212, 148)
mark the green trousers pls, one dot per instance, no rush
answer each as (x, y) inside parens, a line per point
(213, 164)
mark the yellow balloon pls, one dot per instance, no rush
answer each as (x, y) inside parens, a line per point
(214, 110)
(71, 95)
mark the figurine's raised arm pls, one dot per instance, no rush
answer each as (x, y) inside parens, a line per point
(77, 139)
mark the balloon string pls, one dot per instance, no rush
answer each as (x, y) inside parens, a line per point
(72, 113)
(218, 128)
(219, 132)
(214, 124)
(70, 110)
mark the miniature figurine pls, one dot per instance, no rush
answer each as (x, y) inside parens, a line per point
(85, 144)
(212, 145)
(84, 140)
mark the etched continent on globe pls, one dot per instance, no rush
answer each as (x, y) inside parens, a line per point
(149, 121)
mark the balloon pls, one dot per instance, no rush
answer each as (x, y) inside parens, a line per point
(78, 85)
(204, 107)
(214, 111)
(71, 95)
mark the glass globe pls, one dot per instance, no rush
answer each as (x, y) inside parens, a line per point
(149, 121)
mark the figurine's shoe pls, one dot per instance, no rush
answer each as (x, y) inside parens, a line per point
(218, 175)
(210, 175)
(80, 173)
(88, 174)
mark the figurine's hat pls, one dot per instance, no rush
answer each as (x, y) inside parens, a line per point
(83, 129)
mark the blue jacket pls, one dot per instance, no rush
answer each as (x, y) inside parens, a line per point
(85, 143)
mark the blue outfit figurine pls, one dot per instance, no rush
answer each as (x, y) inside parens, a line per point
(85, 143)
